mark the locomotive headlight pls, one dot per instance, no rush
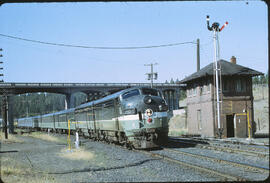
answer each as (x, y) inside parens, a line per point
(149, 112)
(147, 99)
(160, 107)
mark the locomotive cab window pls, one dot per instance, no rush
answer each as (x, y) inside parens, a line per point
(149, 91)
(130, 93)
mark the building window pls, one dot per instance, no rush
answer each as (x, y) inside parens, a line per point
(199, 119)
(240, 85)
(200, 90)
(194, 89)
(204, 87)
(244, 85)
(208, 85)
(225, 86)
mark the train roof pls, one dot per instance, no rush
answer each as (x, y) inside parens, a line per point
(59, 112)
(26, 118)
(109, 97)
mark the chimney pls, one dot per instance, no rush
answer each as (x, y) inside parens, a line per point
(233, 60)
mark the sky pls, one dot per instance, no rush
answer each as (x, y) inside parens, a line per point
(127, 24)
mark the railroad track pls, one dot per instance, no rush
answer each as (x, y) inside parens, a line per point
(223, 175)
(224, 149)
(245, 166)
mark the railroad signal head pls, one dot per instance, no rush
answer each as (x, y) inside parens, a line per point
(207, 21)
(215, 25)
(155, 75)
(149, 76)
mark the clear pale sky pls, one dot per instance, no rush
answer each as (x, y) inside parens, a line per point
(119, 24)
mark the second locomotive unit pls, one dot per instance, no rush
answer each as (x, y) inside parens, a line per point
(136, 117)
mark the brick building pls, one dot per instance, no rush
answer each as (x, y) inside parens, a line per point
(237, 100)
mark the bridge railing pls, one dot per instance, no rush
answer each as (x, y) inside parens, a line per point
(84, 84)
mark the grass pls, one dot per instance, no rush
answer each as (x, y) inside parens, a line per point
(12, 138)
(47, 137)
(177, 132)
(13, 171)
(76, 154)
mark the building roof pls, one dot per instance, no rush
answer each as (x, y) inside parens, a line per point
(227, 69)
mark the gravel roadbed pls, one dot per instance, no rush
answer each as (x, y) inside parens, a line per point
(219, 166)
(48, 159)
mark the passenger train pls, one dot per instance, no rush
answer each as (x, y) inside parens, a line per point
(136, 117)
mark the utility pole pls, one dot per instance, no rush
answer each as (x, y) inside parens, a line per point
(152, 75)
(198, 55)
(1, 67)
(4, 114)
(4, 101)
(215, 28)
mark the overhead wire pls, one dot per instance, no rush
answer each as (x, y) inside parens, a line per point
(96, 47)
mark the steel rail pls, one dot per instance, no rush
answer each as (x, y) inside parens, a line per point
(250, 146)
(225, 176)
(243, 165)
(227, 149)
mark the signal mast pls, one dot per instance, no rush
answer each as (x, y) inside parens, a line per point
(215, 28)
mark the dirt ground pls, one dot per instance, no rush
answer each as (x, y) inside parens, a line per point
(20, 162)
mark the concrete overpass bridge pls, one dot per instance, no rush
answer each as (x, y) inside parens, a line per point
(92, 90)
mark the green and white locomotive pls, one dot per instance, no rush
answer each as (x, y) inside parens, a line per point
(136, 117)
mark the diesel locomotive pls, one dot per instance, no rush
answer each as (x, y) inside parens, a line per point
(136, 117)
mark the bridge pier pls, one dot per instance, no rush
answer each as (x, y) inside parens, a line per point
(172, 99)
(177, 97)
(69, 101)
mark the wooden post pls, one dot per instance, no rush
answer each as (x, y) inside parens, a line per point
(198, 55)
(69, 135)
(249, 126)
(259, 125)
(4, 111)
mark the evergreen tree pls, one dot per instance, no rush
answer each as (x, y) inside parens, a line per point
(171, 82)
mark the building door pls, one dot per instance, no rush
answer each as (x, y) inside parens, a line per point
(230, 125)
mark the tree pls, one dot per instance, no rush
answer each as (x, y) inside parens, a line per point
(171, 82)
(255, 80)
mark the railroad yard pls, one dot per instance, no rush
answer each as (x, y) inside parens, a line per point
(45, 157)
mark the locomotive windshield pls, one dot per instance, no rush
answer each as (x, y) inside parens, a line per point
(149, 91)
(131, 93)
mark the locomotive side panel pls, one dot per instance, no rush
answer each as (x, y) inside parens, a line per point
(108, 121)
